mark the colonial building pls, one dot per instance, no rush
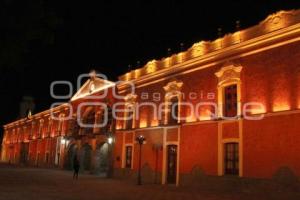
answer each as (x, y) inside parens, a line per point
(225, 107)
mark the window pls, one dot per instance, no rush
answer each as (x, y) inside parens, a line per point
(229, 90)
(128, 157)
(230, 101)
(172, 99)
(108, 126)
(231, 158)
(60, 124)
(89, 122)
(129, 115)
(129, 118)
(173, 111)
(49, 129)
(40, 128)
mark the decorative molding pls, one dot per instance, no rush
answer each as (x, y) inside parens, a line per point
(278, 20)
(229, 74)
(266, 28)
(130, 99)
(173, 86)
(173, 89)
(230, 71)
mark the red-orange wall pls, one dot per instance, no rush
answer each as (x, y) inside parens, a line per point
(199, 147)
(271, 143)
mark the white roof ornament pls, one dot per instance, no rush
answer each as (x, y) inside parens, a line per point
(93, 85)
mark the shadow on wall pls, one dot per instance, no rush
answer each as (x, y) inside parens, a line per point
(286, 177)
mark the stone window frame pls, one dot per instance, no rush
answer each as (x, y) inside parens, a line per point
(229, 74)
(132, 156)
(172, 89)
(130, 103)
(49, 128)
(61, 123)
(40, 130)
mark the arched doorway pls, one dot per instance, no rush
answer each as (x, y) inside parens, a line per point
(101, 160)
(86, 157)
(72, 151)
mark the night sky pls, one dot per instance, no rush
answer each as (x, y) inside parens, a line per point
(46, 40)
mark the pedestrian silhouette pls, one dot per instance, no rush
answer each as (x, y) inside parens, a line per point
(76, 167)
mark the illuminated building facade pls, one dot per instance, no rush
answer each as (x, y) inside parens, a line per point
(224, 107)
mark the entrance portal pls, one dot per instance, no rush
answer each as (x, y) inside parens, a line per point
(101, 160)
(172, 164)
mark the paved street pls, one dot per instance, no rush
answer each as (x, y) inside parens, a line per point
(34, 184)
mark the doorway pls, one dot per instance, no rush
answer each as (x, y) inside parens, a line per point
(86, 157)
(231, 158)
(172, 164)
(101, 160)
(72, 152)
(24, 153)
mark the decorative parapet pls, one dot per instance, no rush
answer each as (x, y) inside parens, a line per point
(273, 22)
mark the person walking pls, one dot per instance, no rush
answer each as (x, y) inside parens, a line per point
(76, 167)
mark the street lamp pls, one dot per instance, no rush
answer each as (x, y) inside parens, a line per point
(110, 140)
(140, 139)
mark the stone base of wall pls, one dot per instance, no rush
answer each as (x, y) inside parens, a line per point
(148, 175)
(283, 180)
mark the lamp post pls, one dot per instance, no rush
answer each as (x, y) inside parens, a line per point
(110, 142)
(140, 139)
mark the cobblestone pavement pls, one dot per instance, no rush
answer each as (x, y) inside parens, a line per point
(34, 184)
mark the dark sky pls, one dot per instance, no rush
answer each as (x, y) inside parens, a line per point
(46, 40)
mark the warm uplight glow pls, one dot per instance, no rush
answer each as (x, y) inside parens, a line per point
(127, 76)
(167, 62)
(154, 122)
(118, 127)
(198, 49)
(205, 114)
(143, 124)
(151, 66)
(274, 21)
(280, 107)
(258, 110)
(180, 57)
(236, 37)
(191, 118)
(204, 118)
(218, 43)
(137, 73)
